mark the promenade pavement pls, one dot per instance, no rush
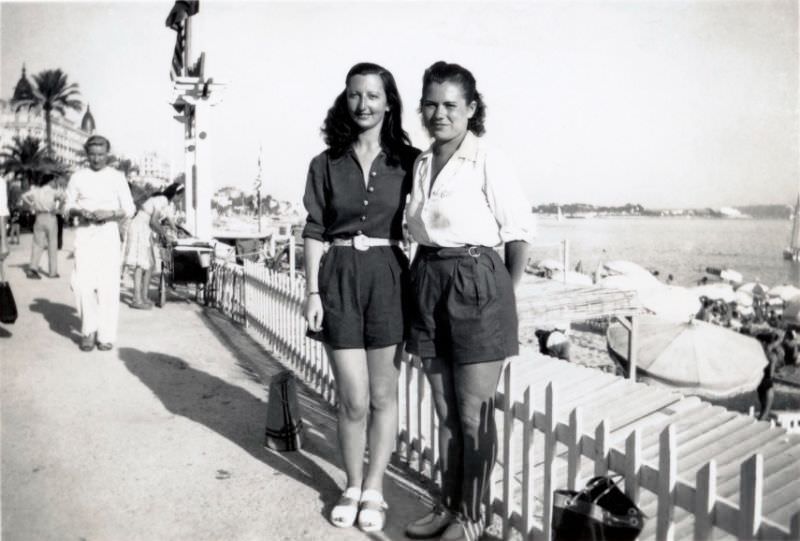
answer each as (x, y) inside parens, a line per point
(160, 438)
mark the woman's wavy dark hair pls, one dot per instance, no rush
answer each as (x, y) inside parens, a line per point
(170, 191)
(443, 72)
(339, 130)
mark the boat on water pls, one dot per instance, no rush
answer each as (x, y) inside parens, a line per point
(792, 252)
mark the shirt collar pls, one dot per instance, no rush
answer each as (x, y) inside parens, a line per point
(467, 150)
(351, 152)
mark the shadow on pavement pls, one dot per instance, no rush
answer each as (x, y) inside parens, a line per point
(228, 410)
(62, 319)
(4, 333)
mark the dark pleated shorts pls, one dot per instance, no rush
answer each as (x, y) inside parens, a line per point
(363, 295)
(463, 306)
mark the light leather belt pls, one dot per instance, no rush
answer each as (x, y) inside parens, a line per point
(363, 242)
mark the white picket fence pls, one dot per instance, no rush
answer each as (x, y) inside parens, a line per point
(540, 449)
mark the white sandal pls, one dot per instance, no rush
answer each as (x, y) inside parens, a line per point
(343, 514)
(372, 511)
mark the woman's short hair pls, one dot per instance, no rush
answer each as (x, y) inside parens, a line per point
(444, 72)
(339, 130)
(97, 140)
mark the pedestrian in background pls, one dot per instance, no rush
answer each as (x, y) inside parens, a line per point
(355, 196)
(464, 203)
(141, 241)
(99, 198)
(4, 215)
(44, 200)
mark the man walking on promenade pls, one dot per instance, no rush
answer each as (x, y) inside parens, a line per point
(100, 198)
(44, 201)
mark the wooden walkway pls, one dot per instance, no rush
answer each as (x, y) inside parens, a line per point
(704, 432)
(543, 302)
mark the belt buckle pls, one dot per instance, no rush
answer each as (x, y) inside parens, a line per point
(361, 243)
(473, 251)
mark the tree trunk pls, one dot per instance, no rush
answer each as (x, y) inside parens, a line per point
(48, 126)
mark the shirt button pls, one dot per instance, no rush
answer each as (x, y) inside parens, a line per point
(363, 218)
(371, 189)
(374, 174)
(366, 202)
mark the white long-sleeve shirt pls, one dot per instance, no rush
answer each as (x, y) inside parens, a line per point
(475, 200)
(106, 189)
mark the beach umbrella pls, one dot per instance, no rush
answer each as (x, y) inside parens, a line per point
(785, 292)
(716, 291)
(693, 357)
(743, 298)
(757, 289)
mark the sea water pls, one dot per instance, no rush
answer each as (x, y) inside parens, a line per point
(683, 247)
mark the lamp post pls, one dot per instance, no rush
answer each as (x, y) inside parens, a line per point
(194, 95)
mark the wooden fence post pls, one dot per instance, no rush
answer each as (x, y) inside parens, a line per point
(704, 501)
(751, 491)
(633, 461)
(574, 453)
(550, 443)
(667, 476)
(528, 430)
(508, 455)
(601, 447)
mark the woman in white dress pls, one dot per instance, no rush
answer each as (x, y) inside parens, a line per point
(141, 243)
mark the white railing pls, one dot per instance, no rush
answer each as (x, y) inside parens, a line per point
(571, 453)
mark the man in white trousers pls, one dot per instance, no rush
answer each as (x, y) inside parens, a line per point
(100, 198)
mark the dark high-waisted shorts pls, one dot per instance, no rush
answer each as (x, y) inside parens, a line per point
(363, 295)
(463, 306)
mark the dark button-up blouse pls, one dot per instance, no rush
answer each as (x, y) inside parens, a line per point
(340, 205)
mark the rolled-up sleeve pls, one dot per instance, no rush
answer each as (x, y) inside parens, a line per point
(507, 199)
(315, 201)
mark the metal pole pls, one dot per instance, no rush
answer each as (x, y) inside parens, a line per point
(632, 345)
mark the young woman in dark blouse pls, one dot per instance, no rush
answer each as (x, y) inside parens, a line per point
(355, 197)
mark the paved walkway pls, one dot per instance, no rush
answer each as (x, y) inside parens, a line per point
(160, 438)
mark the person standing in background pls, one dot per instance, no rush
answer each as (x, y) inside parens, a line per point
(140, 252)
(99, 198)
(4, 251)
(45, 201)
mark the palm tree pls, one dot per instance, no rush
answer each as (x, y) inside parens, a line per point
(52, 92)
(23, 159)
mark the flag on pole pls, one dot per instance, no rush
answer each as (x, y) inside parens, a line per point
(257, 183)
(176, 20)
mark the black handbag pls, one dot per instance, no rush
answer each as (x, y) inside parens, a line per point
(8, 307)
(284, 431)
(598, 512)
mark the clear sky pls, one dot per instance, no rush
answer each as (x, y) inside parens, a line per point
(666, 103)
